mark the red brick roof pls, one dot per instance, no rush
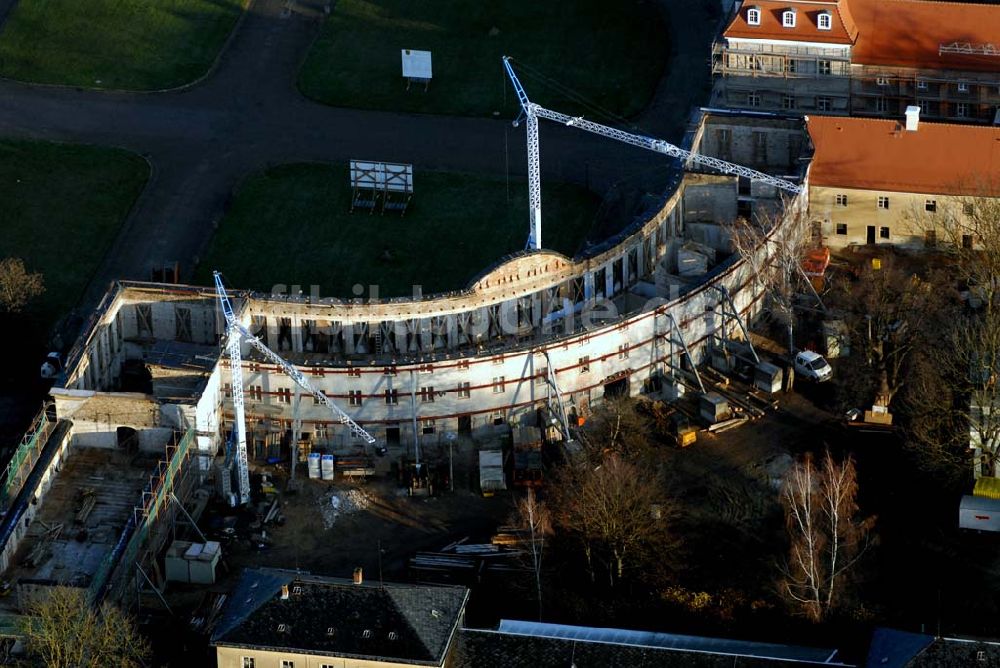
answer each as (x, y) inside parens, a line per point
(908, 33)
(842, 29)
(872, 154)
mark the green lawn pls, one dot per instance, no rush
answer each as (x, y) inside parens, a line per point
(291, 225)
(61, 207)
(610, 53)
(120, 44)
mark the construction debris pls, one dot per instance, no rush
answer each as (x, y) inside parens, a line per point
(341, 502)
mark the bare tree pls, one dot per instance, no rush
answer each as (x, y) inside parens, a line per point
(63, 631)
(532, 517)
(17, 285)
(826, 537)
(778, 271)
(890, 314)
(616, 425)
(617, 510)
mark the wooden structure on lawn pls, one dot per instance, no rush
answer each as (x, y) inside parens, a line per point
(381, 186)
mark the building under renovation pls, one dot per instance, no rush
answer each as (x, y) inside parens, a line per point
(144, 408)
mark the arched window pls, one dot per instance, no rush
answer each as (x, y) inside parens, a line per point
(788, 18)
(824, 22)
(753, 16)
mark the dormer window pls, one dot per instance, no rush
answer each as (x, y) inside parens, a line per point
(788, 18)
(753, 16)
(824, 21)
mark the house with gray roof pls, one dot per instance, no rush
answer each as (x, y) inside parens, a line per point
(285, 619)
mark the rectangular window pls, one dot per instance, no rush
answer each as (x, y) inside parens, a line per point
(584, 363)
(962, 110)
(963, 87)
(967, 241)
(824, 103)
(286, 663)
(883, 202)
(463, 365)
(824, 22)
(427, 395)
(426, 368)
(542, 376)
(842, 228)
(389, 371)
(788, 102)
(498, 384)
(841, 200)
(497, 418)
(788, 18)
(925, 106)
(759, 146)
(354, 397)
(623, 351)
(791, 65)
(930, 205)
(257, 393)
(883, 232)
(753, 99)
(248, 662)
(427, 427)
(921, 85)
(968, 208)
(881, 81)
(354, 373)
(753, 16)
(284, 396)
(824, 67)
(881, 105)
(391, 397)
(463, 390)
(498, 360)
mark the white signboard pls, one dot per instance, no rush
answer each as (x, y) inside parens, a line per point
(416, 64)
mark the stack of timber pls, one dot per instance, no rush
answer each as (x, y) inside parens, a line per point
(464, 562)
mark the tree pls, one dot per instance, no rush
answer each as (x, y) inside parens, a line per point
(616, 510)
(890, 313)
(17, 286)
(63, 631)
(826, 537)
(778, 272)
(533, 518)
(616, 425)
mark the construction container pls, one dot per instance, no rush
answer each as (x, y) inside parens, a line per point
(713, 407)
(491, 474)
(768, 378)
(192, 562)
(987, 488)
(314, 465)
(326, 466)
(979, 513)
(691, 263)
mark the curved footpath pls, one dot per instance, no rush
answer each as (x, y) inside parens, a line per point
(249, 114)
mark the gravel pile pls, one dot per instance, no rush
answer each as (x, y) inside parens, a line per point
(341, 502)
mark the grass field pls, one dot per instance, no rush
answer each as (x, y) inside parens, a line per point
(611, 54)
(61, 207)
(291, 225)
(118, 44)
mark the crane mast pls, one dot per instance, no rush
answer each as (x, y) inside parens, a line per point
(532, 112)
(236, 333)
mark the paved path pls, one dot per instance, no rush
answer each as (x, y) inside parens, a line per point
(248, 114)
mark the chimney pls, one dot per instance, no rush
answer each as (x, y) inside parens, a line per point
(284, 592)
(912, 118)
(359, 576)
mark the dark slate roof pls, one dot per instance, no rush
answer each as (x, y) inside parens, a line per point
(895, 649)
(958, 652)
(493, 649)
(334, 617)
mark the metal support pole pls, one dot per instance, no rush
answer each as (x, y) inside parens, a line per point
(188, 516)
(296, 430)
(413, 410)
(156, 591)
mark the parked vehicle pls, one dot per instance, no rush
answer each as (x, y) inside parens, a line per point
(813, 366)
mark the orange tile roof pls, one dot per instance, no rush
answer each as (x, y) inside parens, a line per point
(908, 33)
(873, 154)
(842, 29)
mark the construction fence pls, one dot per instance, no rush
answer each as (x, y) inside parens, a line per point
(24, 458)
